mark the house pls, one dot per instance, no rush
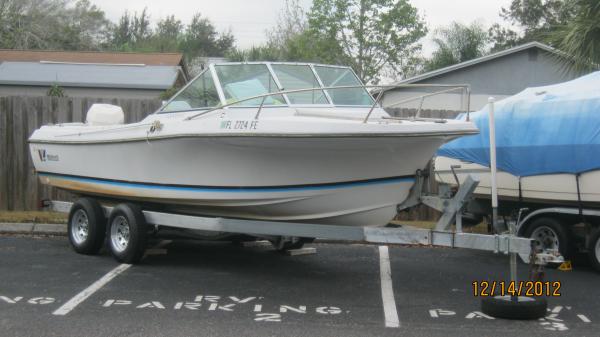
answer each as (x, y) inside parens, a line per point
(497, 75)
(90, 74)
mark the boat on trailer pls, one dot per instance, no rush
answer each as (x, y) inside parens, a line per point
(547, 139)
(296, 151)
(268, 141)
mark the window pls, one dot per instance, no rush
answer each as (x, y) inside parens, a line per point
(201, 93)
(335, 76)
(294, 77)
(240, 81)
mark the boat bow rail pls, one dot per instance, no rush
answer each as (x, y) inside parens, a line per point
(380, 89)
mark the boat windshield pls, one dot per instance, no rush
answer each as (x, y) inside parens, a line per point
(295, 76)
(226, 84)
(199, 94)
(241, 81)
(337, 76)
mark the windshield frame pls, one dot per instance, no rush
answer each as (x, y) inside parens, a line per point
(161, 110)
(211, 68)
(271, 73)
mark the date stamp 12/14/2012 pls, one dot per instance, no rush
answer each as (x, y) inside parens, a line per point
(512, 288)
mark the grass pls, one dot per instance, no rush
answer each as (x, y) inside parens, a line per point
(414, 223)
(32, 216)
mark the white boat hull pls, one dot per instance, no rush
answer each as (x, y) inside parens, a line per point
(331, 180)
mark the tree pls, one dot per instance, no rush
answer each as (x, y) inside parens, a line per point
(291, 40)
(580, 37)
(288, 40)
(140, 26)
(537, 19)
(457, 43)
(83, 27)
(201, 39)
(369, 35)
(254, 53)
(25, 23)
(168, 34)
(121, 32)
(132, 32)
(291, 22)
(51, 24)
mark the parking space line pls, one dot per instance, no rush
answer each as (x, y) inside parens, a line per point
(87, 292)
(387, 291)
(584, 318)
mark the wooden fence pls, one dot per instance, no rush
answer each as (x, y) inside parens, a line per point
(20, 116)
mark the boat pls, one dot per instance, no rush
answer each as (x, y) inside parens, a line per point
(547, 138)
(294, 142)
(544, 190)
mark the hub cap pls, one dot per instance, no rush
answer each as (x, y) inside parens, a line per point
(80, 226)
(545, 238)
(119, 233)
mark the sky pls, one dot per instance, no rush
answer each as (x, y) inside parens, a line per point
(249, 19)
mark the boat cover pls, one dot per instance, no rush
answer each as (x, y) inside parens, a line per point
(541, 130)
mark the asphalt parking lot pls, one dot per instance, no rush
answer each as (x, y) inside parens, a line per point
(187, 288)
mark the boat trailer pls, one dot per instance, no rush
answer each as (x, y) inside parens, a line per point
(128, 227)
(442, 235)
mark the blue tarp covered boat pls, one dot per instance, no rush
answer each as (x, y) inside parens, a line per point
(543, 130)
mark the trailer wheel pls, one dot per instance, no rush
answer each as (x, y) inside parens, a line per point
(594, 249)
(521, 308)
(128, 233)
(549, 233)
(86, 226)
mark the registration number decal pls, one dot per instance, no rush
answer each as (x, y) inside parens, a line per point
(239, 125)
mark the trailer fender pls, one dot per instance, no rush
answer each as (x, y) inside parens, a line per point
(522, 225)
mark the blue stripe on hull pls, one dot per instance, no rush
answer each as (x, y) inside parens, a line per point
(229, 189)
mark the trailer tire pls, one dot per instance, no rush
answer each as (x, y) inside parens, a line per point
(594, 249)
(504, 307)
(128, 233)
(550, 229)
(87, 226)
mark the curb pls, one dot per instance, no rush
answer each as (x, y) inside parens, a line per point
(33, 228)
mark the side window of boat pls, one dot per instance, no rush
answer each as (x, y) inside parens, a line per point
(241, 81)
(201, 93)
(294, 77)
(335, 77)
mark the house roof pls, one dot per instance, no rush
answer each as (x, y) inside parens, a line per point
(478, 60)
(96, 75)
(155, 59)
